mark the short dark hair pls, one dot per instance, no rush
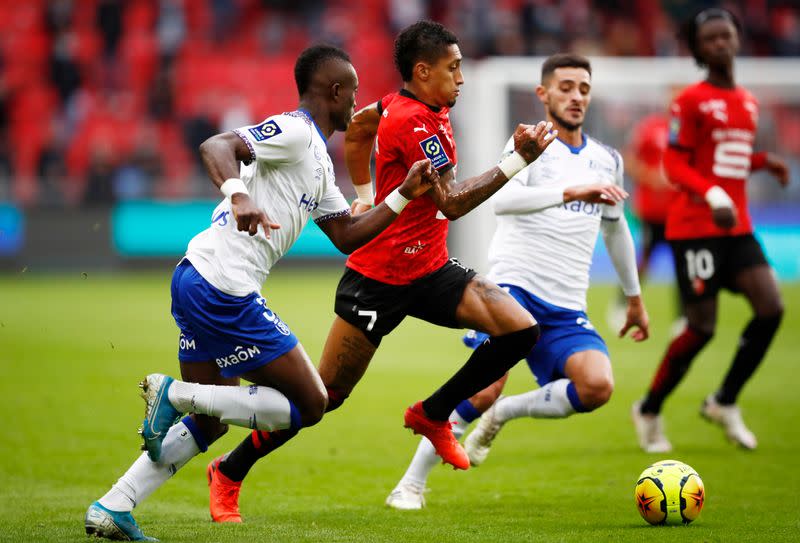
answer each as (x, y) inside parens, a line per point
(689, 28)
(424, 40)
(311, 60)
(565, 60)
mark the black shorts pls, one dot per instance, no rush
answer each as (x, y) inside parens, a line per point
(377, 308)
(652, 234)
(705, 265)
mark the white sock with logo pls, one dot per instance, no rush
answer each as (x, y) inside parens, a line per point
(255, 407)
(549, 402)
(145, 476)
(425, 458)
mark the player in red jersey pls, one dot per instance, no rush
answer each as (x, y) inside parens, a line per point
(408, 272)
(652, 197)
(653, 193)
(710, 156)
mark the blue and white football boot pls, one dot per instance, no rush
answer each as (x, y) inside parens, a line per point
(116, 525)
(159, 414)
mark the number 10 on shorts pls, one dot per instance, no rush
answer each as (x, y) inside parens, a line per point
(373, 316)
(699, 264)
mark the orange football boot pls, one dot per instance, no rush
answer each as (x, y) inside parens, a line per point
(440, 435)
(223, 494)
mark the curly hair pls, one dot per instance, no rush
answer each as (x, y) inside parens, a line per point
(424, 40)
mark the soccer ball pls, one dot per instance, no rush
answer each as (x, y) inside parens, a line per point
(669, 492)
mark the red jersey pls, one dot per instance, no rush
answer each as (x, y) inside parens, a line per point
(415, 244)
(648, 144)
(716, 127)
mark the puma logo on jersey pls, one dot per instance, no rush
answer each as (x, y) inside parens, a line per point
(421, 129)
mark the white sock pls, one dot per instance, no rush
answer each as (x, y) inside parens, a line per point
(549, 402)
(145, 476)
(425, 458)
(254, 407)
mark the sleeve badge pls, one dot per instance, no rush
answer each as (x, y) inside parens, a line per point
(433, 149)
(265, 130)
(674, 129)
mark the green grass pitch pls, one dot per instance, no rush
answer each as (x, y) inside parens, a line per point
(73, 347)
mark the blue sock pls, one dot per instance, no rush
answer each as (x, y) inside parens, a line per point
(198, 436)
(294, 414)
(467, 411)
(572, 395)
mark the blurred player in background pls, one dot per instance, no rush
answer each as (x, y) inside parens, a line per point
(227, 330)
(710, 156)
(653, 192)
(406, 271)
(548, 217)
(652, 196)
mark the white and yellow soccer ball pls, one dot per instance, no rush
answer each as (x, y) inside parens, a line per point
(669, 492)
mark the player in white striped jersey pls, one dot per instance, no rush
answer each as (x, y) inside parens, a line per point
(548, 218)
(227, 330)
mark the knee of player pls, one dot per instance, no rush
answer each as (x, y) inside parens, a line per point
(595, 392)
(312, 407)
(521, 342)
(534, 333)
(773, 311)
(704, 329)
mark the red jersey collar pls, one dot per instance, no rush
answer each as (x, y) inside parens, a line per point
(409, 94)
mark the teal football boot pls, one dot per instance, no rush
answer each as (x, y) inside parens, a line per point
(116, 525)
(159, 414)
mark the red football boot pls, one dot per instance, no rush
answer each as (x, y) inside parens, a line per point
(439, 434)
(223, 494)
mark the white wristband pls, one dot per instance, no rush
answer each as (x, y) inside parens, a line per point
(232, 186)
(512, 164)
(396, 201)
(717, 198)
(365, 194)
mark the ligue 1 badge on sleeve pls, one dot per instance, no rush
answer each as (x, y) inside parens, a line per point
(433, 149)
(265, 130)
(674, 129)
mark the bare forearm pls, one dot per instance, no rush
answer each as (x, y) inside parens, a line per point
(351, 232)
(358, 142)
(457, 199)
(357, 160)
(220, 155)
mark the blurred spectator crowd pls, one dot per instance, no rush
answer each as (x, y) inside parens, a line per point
(103, 100)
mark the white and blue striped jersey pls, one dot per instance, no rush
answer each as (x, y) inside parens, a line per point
(290, 176)
(549, 252)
